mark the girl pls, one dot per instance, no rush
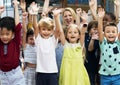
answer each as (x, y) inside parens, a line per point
(68, 17)
(92, 51)
(110, 52)
(72, 70)
(29, 48)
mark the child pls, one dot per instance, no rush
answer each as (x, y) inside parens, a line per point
(46, 40)
(72, 70)
(29, 50)
(92, 51)
(110, 52)
(10, 33)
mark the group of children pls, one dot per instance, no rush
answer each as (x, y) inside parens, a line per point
(57, 51)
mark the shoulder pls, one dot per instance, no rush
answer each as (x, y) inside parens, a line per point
(18, 26)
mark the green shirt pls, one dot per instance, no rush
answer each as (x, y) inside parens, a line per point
(110, 58)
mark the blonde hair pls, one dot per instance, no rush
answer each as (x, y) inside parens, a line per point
(29, 25)
(71, 11)
(46, 22)
(74, 26)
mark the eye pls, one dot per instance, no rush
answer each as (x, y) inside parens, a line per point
(75, 32)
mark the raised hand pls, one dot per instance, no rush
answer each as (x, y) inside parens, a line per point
(101, 13)
(84, 16)
(15, 3)
(117, 2)
(91, 3)
(56, 11)
(24, 15)
(2, 8)
(79, 11)
(33, 9)
(23, 5)
(95, 36)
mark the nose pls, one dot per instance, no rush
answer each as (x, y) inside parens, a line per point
(4, 36)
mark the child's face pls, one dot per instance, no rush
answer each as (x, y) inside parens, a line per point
(111, 33)
(73, 35)
(106, 19)
(45, 32)
(93, 31)
(31, 40)
(6, 36)
(68, 18)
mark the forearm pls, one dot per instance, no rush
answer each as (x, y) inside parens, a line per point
(117, 12)
(17, 17)
(24, 32)
(46, 5)
(100, 29)
(35, 25)
(78, 19)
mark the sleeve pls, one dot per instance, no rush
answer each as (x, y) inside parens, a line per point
(104, 42)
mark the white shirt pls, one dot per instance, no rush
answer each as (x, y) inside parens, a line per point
(46, 57)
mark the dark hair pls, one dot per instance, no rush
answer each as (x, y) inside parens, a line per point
(29, 33)
(110, 24)
(8, 23)
(112, 16)
(92, 24)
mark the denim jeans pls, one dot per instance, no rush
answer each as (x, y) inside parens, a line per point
(13, 77)
(110, 80)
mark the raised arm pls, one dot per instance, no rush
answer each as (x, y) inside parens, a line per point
(93, 8)
(1, 9)
(17, 17)
(34, 12)
(24, 27)
(58, 28)
(78, 15)
(91, 44)
(23, 5)
(45, 6)
(82, 34)
(117, 6)
(101, 14)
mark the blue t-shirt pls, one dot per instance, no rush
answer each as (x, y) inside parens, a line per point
(110, 58)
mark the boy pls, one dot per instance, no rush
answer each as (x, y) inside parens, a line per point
(10, 32)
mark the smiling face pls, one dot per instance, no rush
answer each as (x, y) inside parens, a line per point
(68, 18)
(46, 27)
(111, 33)
(6, 35)
(73, 34)
(93, 31)
(45, 32)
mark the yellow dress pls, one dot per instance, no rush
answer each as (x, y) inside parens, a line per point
(72, 70)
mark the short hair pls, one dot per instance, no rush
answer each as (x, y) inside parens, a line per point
(110, 24)
(112, 16)
(46, 22)
(8, 23)
(29, 33)
(92, 24)
(72, 12)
